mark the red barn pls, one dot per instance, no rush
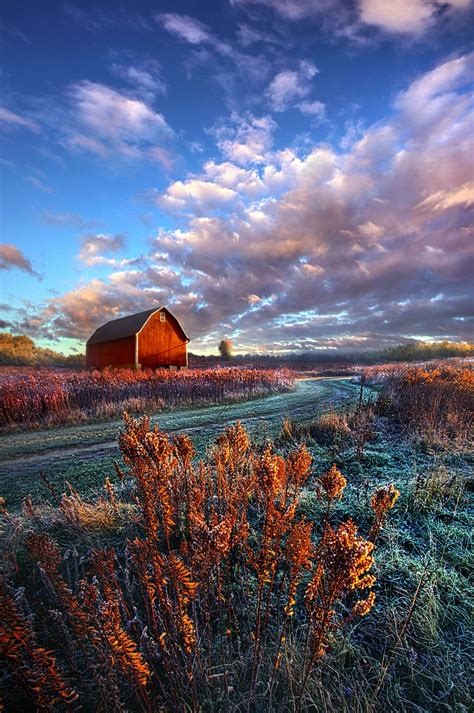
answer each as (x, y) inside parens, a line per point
(148, 339)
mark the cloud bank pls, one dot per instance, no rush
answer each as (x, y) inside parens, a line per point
(280, 249)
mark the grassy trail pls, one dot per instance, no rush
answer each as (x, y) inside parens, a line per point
(82, 454)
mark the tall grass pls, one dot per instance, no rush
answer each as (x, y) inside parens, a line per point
(224, 597)
(436, 405)
(48, 396)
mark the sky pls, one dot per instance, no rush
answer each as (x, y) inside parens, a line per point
(289, 174)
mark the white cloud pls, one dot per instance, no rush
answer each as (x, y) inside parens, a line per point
(185, 27)
(95, 246)
(442, 200)
(314, 108)
(407, 17)
(145, 78)
(198, 196)
(9, 119)
(114, 116)
(245, 139)
(290, 85)
(350, 20)
(87, 143)
(106, 122)
(403, 16)
(428, 97)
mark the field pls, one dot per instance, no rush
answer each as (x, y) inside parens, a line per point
(39, 397)
(305, 551)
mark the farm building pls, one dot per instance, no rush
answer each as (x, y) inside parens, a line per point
(149, 339)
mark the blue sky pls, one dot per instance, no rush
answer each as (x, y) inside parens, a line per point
(292, 174)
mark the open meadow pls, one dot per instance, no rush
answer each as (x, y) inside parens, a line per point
(308, 550)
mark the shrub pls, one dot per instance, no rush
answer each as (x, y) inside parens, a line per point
(435, 404)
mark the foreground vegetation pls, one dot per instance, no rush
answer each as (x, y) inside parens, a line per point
(241, 582)
(49, 397)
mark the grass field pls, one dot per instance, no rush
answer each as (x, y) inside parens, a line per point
(411, 652)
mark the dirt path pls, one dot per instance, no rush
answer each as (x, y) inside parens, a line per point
(82, 452)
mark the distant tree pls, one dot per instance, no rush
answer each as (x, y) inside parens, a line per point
(225, 348)
(20, 350)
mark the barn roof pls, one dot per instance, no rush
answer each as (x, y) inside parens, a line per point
(127, 326)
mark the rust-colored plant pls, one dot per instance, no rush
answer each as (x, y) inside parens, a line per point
(219, 570)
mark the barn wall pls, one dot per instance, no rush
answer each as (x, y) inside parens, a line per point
(161, 343)
(117, 352)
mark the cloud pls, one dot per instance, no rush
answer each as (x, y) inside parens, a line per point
(95, 246)
(39, 184)
(13, 32)
(145, 78)
(80, 142)
(443, 200)
(186, 28)
(113, 115)
(11, 256)
(315, 109)
(249, 35)
(406, 17)
(209, 47)
(107, 123)
(10, 119)
(245, 139)
(70, 220)
(97, 21)
(194, 195)
(365, 245)
(292, 9)
(289, 86)
(353, 20)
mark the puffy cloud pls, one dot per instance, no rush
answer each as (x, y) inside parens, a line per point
(197, 196)
(368, 245)
(245, 139)
(114, 116)
(289, 86)
(10, 119)
(11, 256)
(94, 247)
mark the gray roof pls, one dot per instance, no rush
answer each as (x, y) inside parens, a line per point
(126, 326)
